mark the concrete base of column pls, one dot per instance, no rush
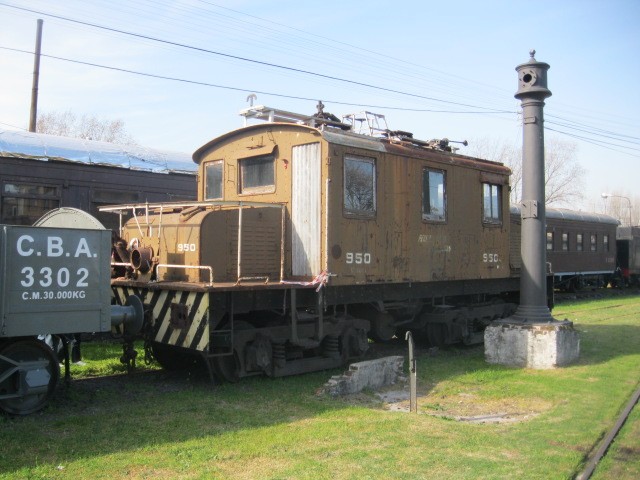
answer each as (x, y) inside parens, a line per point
(534, 345)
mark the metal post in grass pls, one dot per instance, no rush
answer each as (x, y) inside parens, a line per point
(531, 337)
(413, 402)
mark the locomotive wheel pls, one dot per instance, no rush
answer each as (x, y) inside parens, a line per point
(173, 358)
(40, 383)
(382, 323)
(227, 368)
(353, 344)
(437, 334)
(382, 328)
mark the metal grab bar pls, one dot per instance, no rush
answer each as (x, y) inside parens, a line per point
(199, 267)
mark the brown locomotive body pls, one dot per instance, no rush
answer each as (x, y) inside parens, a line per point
(306, 238)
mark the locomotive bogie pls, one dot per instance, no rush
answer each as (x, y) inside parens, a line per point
(245, 333)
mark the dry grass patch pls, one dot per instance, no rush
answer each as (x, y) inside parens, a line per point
(467, 406)
(253, 467)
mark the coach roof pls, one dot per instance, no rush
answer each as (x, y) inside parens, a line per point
(38, 146)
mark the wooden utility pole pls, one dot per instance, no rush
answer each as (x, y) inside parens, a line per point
(36, 76)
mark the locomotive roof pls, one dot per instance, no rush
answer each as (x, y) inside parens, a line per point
(350, 139)
(566, 214)
(38, 146)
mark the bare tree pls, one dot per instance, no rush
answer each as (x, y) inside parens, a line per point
(88, 127)
(623, 206)
(499, 151)
(564, 176)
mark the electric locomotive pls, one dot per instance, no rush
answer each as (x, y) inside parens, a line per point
(312, 233)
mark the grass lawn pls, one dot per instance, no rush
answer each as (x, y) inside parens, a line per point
(155, 424)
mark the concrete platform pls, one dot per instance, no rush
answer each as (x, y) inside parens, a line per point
(539, 346)
(371, 374)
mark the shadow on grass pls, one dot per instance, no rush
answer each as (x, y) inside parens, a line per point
(123, 413)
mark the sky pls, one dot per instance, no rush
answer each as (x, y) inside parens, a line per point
(444, 69)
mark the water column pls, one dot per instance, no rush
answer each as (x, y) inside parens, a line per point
(532, 338)
(532, 91)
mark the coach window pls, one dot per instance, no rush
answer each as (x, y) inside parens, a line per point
(605, 241)
(24, 203)
(549, 241)
(434, 197)
(213, 180)
(257, 174)
(594, 242)
(565, 242)
(491, 201)
(359, 186)
(579, 243)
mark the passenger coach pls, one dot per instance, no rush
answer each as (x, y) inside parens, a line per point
(41, 172)
(581, 247)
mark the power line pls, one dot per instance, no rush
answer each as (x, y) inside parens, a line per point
(247, 90)
(342, 43)
(597, 142)
(245, 59)
(593, 128)
(613, 136)
(486, 111)
(14, 126)
(337, 102)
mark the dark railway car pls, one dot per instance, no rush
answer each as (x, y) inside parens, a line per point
(628, 245)
(54, 280)
(41, 172)
(307, 236)
(580, 247)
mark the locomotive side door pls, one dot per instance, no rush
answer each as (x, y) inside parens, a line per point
(306, 214)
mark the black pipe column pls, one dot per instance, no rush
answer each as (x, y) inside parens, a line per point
(532, 91)
(531, 337)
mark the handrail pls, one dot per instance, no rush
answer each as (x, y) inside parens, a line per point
(120, 264)
(200, 267)
(167, 205)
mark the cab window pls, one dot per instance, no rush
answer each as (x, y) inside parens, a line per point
(359, 186)
(491, 203)
(434, 198)
(213, 181)
(257, 174)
